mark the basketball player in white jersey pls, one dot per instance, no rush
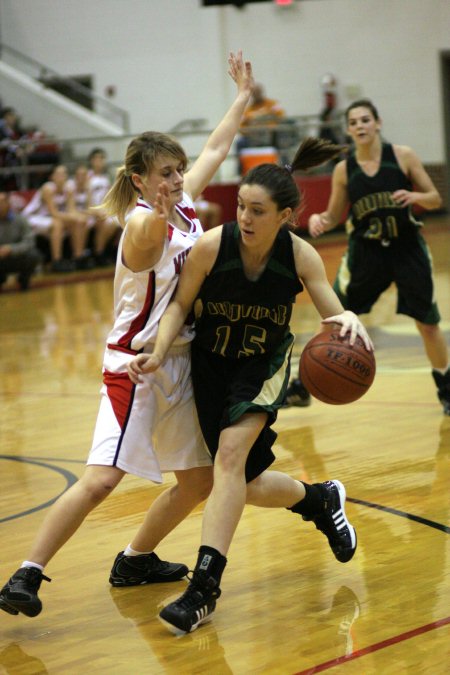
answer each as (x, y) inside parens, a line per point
(52, 213)
(152, 427)
(99, 226)
(105, 226)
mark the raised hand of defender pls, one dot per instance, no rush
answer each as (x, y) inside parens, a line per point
(141, 364)
(161, 204)
(241, 72)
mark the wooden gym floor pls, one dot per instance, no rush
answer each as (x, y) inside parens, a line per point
(287, 606)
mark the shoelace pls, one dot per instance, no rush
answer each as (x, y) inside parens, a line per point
(33, 576)
(190, 598)
(195, 591)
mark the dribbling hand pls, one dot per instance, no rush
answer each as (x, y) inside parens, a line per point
(351, 324)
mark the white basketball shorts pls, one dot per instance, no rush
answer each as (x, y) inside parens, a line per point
(150, 428)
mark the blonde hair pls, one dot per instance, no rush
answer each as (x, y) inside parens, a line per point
(140, 158)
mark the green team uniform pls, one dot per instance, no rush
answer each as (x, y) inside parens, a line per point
(385, 245)
(241, 351)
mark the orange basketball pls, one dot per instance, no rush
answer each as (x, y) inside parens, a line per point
(334, 371)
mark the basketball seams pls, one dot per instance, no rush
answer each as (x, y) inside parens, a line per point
(325, 398)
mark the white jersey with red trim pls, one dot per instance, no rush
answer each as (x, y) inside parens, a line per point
(140, 298)
(99, 184)
(37, 206)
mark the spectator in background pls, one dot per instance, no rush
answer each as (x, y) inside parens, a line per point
(261, 110)
(9, 125)
(11, 151)
(52, 213)
(106, 227)
(18, 252)
(20, 147)
(43, 155)
(81, 190)
(329, 128)
(98, 176)
(259, 122)
(100, 228)
(328, 117)
(209, 213)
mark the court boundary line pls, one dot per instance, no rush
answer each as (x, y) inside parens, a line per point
(401, 514)
(326, 665)
(401, 637)
(70, 477)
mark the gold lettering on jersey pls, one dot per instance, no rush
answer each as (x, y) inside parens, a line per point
(379, 230)
(235, 312)
(373, 202)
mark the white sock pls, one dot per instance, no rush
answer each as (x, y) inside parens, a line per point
(29, 563)
(130, 551)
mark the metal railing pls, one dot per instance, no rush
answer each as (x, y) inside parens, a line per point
(75, 90)
(191, 133)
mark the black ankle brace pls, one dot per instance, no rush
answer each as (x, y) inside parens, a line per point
(313, 502)
(210, 562)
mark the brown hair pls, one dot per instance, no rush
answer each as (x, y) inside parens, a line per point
(362, 103)
(278, 180)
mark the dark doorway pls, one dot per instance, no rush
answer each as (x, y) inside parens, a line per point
(77, 88)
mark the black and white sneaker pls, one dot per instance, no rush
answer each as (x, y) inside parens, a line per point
(19, 594)
(194, 607)
(147, 568)
(333, 522)
(443, 389)
(297, 395)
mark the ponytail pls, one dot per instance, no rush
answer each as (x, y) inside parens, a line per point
(313, 152)
(121, 197)
(279, 181)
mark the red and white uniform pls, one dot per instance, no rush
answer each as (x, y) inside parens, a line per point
(36, 211)
(99, 184)
(151, 427)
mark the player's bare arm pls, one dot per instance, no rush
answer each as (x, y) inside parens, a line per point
(425, 193)
(195, 269)
(319, 223)
(47, 198)
(311, 271)
(219, 143)
(197, 266)
(146, 233)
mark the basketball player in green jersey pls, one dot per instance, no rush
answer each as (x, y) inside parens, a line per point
(382, 182)
(242, 279)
